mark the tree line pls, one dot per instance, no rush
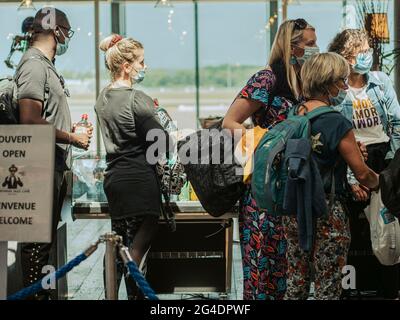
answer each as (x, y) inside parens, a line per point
(221, 76)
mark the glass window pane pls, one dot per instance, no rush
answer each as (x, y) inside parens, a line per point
(167, 35)
(233, 46)
(316, 14)
(77, 66)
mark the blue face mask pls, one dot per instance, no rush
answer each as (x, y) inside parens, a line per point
(364, 63)
(139, 77)
(338, 100)
(62, 47)
(308, 53)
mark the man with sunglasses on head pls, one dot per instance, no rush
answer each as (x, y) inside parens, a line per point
(42, 99)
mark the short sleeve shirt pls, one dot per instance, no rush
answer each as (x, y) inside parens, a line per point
(125, 123)
(33, 74)
(260, 88)
(367, 123)
(327, 131)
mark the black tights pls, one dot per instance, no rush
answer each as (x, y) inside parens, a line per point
(137, 234)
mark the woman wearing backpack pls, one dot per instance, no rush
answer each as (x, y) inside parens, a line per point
(266, 98)
(126, 115)
(334, 146)
(371, 105)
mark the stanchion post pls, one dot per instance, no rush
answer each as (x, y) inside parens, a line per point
(111, 290)
(3, 269)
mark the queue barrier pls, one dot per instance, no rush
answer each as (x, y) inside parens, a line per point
(113, 242)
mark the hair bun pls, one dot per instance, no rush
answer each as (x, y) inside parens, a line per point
(116, 38)
(110, 41)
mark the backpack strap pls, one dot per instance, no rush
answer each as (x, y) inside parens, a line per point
(319, 111)
(313, 115)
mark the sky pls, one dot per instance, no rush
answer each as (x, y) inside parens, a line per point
(231, 33)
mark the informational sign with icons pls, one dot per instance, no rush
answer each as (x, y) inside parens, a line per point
(26, 182)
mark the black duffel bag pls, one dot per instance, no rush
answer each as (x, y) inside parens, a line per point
(218, 186)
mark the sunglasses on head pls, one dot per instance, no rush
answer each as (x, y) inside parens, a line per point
(300, 24)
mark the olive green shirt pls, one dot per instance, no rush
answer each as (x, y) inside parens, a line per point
(35, 75)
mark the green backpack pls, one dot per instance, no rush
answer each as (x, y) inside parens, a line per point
(270, 173)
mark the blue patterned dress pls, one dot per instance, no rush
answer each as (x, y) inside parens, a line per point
(262, 238)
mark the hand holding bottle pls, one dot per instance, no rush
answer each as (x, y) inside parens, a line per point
(82, 133)
(80, 140)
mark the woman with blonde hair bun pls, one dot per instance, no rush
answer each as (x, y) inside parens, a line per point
(125, 116)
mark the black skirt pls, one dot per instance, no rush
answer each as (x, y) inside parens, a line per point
(132, 189)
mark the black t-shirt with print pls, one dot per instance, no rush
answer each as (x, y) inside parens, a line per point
(327, 131)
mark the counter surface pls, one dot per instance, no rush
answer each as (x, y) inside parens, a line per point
(183, 210)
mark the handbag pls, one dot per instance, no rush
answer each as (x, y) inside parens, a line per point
(385, 231)
(217, 186)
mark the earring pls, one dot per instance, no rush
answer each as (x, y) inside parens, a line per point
(293, 60)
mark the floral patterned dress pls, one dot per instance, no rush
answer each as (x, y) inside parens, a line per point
(262, 238)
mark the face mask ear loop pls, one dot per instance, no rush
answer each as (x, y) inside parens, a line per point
(65, 37)
(57, 32)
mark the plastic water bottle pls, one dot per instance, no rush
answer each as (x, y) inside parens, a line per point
(81, 128)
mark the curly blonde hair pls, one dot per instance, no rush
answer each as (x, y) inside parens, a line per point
(347, 41)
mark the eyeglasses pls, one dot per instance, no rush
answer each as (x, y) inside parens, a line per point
(70, 32)
(300, 24)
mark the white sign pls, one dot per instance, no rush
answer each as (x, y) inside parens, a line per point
(26, 182)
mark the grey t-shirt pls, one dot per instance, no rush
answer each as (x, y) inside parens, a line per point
(34, 74)
(125, 118)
